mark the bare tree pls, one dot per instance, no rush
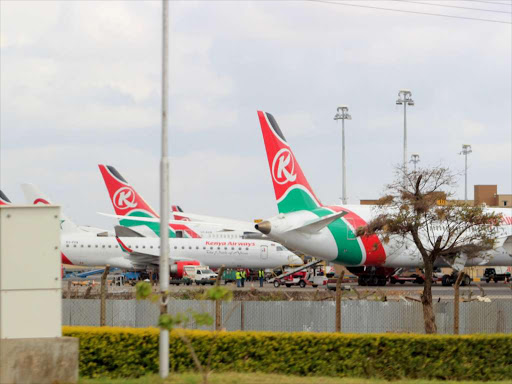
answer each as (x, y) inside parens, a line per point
(411, 214)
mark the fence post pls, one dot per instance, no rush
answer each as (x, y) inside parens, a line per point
(338, 301)
(218, 302)
(103, 296)
(69, 290)
(242, 316)
(456, 303)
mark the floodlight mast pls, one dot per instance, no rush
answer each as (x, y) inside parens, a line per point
(164, 197)
(342, 114)
(404, 97)
(466, 150)
(415, 159)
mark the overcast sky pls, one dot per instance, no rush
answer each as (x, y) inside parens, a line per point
(80, 85)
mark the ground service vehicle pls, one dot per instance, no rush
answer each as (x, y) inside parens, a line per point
(497, 274)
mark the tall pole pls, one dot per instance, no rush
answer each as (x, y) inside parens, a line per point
(164, 195)
(466, 178)
(466, 150)
(404, 97)
(343, 115)
(344, 190)
(405, 138)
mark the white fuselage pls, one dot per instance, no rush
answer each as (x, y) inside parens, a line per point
(398, 252)
(90, 250)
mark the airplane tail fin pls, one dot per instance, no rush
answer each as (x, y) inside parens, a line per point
(4, 200)
(291, 187)
(34, 196)
(127, 202)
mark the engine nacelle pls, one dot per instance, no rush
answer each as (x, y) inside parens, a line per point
(177, 268)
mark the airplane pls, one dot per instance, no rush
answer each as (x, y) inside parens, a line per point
(81, 246)
(128, 203)
(4, 200)
(328, 232)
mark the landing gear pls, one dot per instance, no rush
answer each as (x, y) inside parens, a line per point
(372, 280)
(449, 280)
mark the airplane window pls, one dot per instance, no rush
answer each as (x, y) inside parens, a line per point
(240, 248)
(189, 247)
(143, 246)
(246, 249)
(96, 245)
(103, 246)
(67, 245)
(110, 246)
(74, 246)
(218, 247)
(117, 246)
(89, 246)
(151, 246)
(204, 247)
(136, 246)
(82, 246)
(175, 247)
(197, 247)
(279, 248)
(225, 247)
(182, 247)
(211, 247)
(232, 248)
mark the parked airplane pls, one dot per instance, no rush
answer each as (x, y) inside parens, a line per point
(84, 247)
(328, 232)
(3, 199)
(127, 203)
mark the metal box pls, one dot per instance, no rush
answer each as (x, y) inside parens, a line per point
(30, 272)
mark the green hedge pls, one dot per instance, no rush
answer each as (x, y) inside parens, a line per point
(128, 352)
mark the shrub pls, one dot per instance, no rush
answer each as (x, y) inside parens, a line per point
(129, 352)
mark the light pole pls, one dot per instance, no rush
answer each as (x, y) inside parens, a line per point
(404, 97)
(466, 150)
(164, 197)
(343, 115)
(415, 159)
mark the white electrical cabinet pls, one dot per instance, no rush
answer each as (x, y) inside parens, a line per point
(30, 272)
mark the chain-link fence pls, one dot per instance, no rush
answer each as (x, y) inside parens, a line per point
(313, 316)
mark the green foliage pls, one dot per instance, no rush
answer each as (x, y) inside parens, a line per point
(125, 352)
(143, 290)
(218, 292)
(169, 322)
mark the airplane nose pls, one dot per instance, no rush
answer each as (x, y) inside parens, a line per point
(264, 227)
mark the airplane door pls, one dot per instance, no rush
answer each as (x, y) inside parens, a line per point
(264, 252)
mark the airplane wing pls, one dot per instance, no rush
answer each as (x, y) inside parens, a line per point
(234, 226)
(316, 225)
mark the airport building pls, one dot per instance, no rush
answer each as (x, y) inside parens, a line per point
(483, 194)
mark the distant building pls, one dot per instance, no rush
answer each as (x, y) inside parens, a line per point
(484, 194)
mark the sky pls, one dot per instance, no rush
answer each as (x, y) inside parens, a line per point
(80, 85)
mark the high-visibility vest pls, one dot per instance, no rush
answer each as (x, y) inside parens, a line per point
(261, 273)
(243, 274)
(238, 275)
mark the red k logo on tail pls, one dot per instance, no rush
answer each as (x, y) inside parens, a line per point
(283, 167)
(124, 198)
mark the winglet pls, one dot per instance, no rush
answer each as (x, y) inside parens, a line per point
(123, 247)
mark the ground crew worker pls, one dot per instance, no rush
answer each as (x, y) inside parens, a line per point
(244, 276)
(238, 277)
(261, 276)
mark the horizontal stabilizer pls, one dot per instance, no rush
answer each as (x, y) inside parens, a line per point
(316, 225)
(233, 226)
(126, 232)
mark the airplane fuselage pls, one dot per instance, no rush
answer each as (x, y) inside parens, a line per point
(90, 250)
